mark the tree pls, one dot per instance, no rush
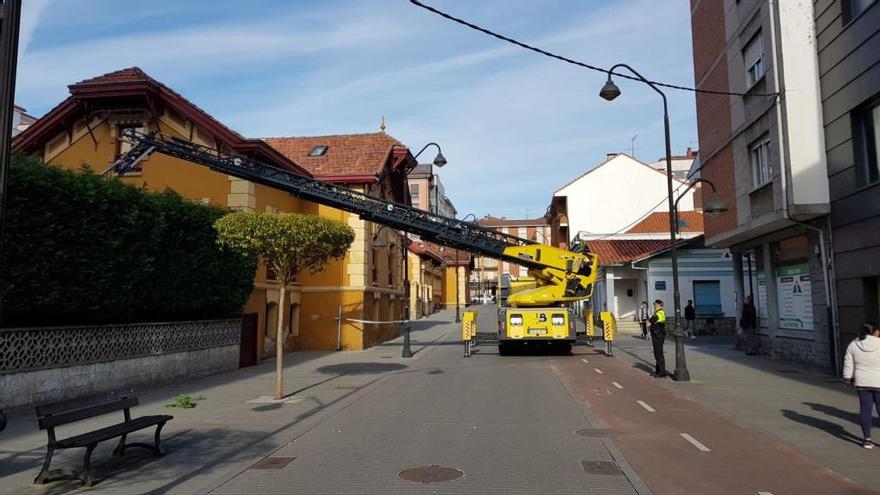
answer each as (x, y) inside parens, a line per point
(288, 243)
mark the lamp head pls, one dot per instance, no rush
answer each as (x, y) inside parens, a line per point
(715, 207)
(439, 160)
(378, 241)
(610, 91)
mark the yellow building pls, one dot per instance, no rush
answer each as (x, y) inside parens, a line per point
(83, 130)
(425, 280)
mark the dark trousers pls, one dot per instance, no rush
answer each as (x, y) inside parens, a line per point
(657, 339)
(868, 400)
(644, 329)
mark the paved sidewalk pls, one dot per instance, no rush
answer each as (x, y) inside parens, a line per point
(225, 434)
(811, 412)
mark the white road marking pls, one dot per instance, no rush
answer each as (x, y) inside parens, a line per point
(764, 493)
(645, 405)
(598, 371)
(617, 385)
(584, 360)
(696, 443)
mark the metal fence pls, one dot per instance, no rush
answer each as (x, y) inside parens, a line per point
(25, 349)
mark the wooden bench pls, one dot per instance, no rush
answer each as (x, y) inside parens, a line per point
(52, 415)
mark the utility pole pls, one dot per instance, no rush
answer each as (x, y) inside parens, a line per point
(10, 18)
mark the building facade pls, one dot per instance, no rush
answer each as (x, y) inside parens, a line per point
(764, 149)
(612, 197)
(21, 120)
(487, 272)
(84, 130)
(636, 266)
(428, 193)
(848, 48)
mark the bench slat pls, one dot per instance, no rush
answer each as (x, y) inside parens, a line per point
(68, 416)
(112, 431)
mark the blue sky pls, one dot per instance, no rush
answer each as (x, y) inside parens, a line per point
(514, 125)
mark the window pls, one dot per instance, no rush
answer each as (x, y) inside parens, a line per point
(854, 8)
(759, 156)
(866, 135)
(753, 58)
(122, 147)
(318, 151)
(414, 193)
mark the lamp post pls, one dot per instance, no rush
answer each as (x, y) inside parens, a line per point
(609, 92)
(439, 161)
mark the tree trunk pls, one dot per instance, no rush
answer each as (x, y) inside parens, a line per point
(279, 345)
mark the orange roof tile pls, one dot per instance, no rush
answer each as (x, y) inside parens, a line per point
(346, 155)
(658, 223)
(620, 251)
(490, 221)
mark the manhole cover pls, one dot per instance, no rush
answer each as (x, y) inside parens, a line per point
(594, 432)
(273, 463)
(430, 474)
(600, 467)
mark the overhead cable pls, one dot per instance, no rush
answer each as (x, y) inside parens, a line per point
(575, 62)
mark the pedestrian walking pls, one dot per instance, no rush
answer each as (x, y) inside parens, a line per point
(658, 336)
(861, 368)
(749, 324)
(643, 318)
(690, 317)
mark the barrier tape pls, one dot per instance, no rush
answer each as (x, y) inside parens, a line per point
(372, 321)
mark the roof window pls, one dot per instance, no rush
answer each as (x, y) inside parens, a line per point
(318, 151)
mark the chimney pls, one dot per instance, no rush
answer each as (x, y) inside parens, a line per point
(609, 156)
(691, 153)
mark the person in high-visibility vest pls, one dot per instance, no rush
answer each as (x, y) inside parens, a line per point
(658, 335)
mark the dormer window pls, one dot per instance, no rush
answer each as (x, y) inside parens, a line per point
(318, 151)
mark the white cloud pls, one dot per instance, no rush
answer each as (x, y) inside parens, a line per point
(31, 12)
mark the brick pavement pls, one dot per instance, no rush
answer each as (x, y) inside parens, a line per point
(224, 434)
(508, 423)
(807, 410)
(649, 423)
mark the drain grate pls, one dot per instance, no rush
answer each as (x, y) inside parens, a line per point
(430, 474)
(273, 463)
(601, 467)
(595, 433)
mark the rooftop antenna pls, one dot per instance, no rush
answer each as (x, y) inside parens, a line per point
(632, 146)
(382, 125)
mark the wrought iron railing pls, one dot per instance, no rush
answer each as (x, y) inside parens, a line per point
(25, 349)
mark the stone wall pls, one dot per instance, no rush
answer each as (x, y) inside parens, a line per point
(59, 363)
(715, 326)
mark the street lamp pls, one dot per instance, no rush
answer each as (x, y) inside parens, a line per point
(439, 161)
(713, 207)
(609, 92)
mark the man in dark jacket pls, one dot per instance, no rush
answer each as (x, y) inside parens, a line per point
(690, 317)
(658, 336)
(749, 324)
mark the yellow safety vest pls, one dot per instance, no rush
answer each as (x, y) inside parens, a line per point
(661, 316)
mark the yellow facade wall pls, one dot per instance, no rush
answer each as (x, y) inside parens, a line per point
(315, 299)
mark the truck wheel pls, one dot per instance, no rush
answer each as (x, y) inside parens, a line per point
(565, 349)
(503, 349)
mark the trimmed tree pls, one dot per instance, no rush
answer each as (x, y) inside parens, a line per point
(288, 243)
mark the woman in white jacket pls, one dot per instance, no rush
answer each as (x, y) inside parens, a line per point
(861, 367)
